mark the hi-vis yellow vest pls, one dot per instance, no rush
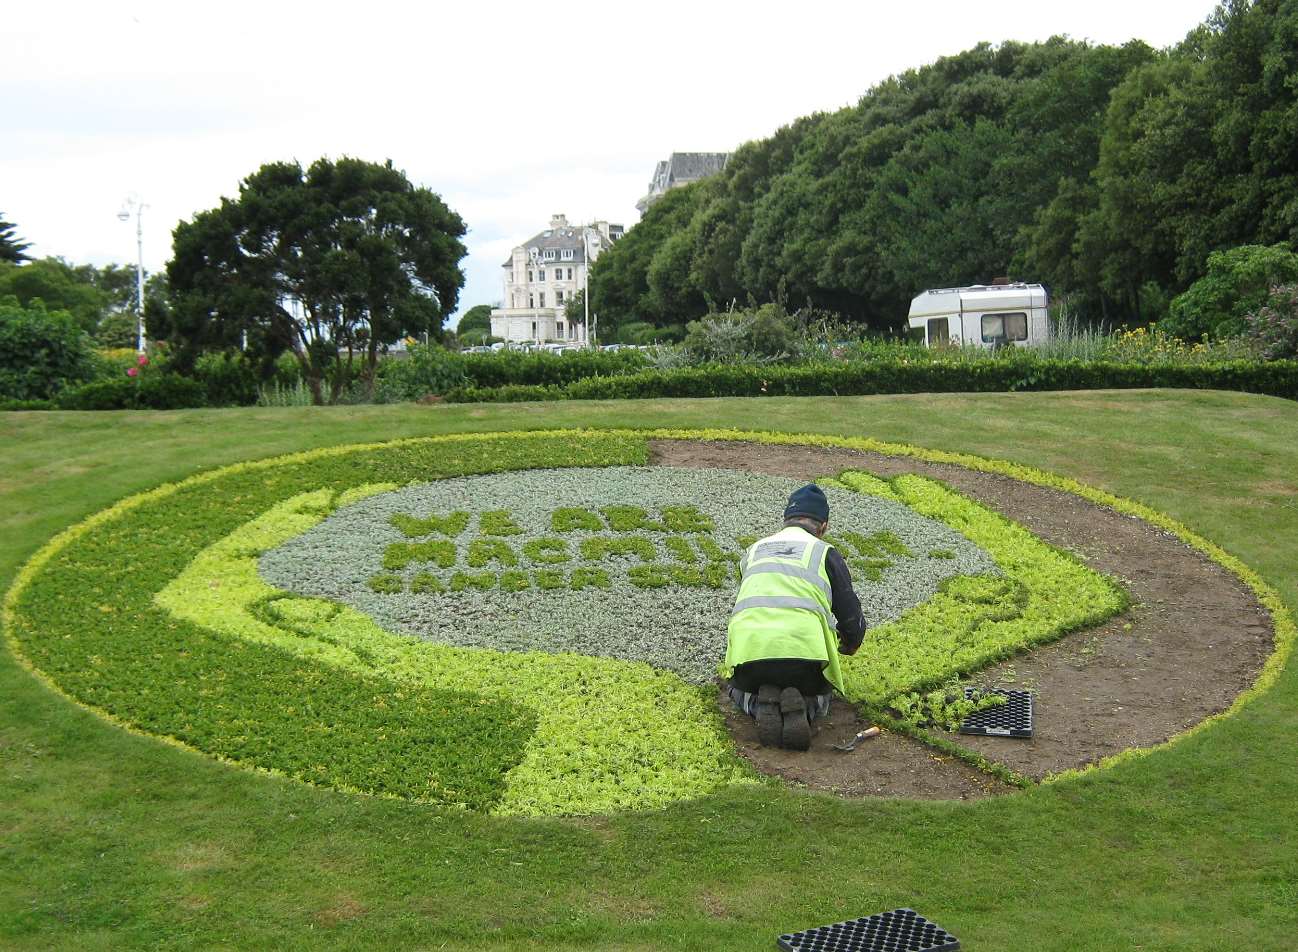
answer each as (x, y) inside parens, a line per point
(783, 606)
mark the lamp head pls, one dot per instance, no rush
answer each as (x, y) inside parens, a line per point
(124, 215)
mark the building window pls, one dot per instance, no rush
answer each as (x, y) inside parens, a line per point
(570, 274)
(567, 254)
(534, 329)
(542, 304)
(541, 275)
(549, 254)
(558, 298)
(531, 300)
(529, 276)
(559, 329)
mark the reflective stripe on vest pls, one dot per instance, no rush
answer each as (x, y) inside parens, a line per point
(810, 575)
(784, 605)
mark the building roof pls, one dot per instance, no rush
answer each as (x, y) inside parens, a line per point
(681, 169)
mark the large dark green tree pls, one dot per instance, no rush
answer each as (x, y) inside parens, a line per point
(11, 248)
(332, 264)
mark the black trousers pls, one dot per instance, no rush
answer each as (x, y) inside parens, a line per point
(807, 676)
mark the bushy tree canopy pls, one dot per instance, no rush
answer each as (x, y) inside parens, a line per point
(59, 286)
(347, 256)
(1109, 173)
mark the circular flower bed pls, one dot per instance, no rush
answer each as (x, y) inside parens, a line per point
(515, 623)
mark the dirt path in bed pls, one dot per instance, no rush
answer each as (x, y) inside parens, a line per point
(1193, 639)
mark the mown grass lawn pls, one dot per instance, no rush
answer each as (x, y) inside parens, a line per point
(108, 840)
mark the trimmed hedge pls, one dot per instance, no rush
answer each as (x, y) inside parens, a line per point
(166, 391)
(1276, 378)
(540, 369)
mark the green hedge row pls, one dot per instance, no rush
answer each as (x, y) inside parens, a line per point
(540, 369)
(1276, 378)
(159, 391)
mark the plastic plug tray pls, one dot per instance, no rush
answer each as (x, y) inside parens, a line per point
(1011, 719)
(899, 930)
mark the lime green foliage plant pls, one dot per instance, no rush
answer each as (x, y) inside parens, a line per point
(315, 691)
(945, 707)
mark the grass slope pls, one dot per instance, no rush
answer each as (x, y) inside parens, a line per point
(109, 840)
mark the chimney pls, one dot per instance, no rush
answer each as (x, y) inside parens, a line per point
(558, 221)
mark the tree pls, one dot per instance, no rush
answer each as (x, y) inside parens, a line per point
(57, 284)
(346, 258)
(11, 249)
(476, 318)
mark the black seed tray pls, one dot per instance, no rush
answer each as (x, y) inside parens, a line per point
(900, 930)
(1011, 719)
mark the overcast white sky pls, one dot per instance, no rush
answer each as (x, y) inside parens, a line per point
(511, 111)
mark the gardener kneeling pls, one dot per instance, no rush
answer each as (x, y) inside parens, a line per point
(782, 648)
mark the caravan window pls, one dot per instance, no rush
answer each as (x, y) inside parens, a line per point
(938, 331)
(1004, 327)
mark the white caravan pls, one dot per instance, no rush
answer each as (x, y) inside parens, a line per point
(983, 315)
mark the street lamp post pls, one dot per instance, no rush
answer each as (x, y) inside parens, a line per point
(585, 283)
(125, 215)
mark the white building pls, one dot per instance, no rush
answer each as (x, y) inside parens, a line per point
(681, 169)
(542, 275)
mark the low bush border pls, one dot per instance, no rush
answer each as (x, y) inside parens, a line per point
(1275, 378)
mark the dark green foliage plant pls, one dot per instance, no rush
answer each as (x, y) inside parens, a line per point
(42, 353)
(1238, 282)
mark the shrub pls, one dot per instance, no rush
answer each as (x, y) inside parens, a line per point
(1237, 283)
(41, 352)
(741, 336)
(1274, 326)
(428, 369)
(162, 391)
(228, 379)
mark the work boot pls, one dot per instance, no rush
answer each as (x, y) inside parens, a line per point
(770, 723)
(796, 734)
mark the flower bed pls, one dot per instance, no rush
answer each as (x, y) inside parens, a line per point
(568, 669)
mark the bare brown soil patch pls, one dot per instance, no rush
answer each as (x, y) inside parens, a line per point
(1194, 638)
(342, 909)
